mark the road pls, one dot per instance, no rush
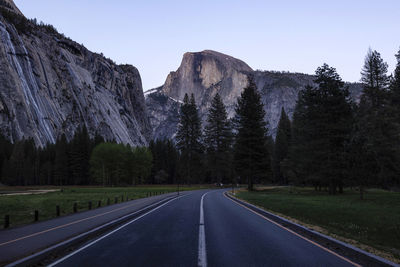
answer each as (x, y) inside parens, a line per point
(177, 234)
(18, 242)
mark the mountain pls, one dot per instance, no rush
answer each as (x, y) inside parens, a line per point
(208, 72)
(51, 85)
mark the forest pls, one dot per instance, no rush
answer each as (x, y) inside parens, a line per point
(331, 142)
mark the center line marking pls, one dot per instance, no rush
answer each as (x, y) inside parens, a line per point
(202, 260)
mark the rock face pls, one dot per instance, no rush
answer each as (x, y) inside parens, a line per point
(50, 85)
(206, 73)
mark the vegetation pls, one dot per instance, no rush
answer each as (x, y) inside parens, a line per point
(251, 155)
(218, 142)
(21, 208)
(374, 221)
(188, 141)
(281, 148)
(330, 143)
(24, 25)
(321, 125)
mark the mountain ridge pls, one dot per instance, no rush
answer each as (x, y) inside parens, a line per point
(51, 85)
(209, 72)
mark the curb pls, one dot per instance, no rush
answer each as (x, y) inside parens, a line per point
(356, 254)
(40, 256)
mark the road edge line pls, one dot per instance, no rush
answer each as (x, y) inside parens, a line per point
(273, 218)
(41, 255)
(110, 233)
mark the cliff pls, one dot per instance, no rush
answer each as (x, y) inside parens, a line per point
(208, 72)
(50, 85)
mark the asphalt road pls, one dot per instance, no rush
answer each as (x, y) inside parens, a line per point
(19, 242)
(177, 234)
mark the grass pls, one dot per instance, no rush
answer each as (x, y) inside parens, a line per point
(21, 208)
(374, 221)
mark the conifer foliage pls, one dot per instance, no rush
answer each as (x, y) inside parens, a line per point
(321, 127)
(189, 141)
(251, 155)
(218, 141)
(281, 148)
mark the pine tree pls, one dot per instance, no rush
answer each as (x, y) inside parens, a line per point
(218, 140)
(374, 118)
(61, 171)
(394, 118)
(321, 128)
(189, 140)
(281, 147)
(6, 148)
(251, 156)
(79, 155)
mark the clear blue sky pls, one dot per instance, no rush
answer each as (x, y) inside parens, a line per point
(269, 35)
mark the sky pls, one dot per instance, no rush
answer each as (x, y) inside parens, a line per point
(285, 35)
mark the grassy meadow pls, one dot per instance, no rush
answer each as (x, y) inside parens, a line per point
(372, 223)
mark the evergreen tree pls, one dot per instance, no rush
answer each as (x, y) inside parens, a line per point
(394, 117)
(165, 159)
(281, 147)
(6, 148)
(374, 118)
(189, 140)
(61, 171)
(321, 128)
(79, 156)
(251, 156)
(218, 140)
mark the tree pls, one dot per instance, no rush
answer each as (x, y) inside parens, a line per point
(112, 164)
(6, 148)
(281, 147)
(79, 156)
(188, 139)
(321, 128)
(374, 118)
(165, 158)
(141, 164)
(251, 156)
(218, 141)
(61, 171)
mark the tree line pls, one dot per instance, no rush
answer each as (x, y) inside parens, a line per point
(80, 161)
(330, 142)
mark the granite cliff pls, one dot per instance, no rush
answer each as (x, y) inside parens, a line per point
(50, 85)
(208, 72)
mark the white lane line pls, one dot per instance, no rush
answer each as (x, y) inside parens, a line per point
(202, 260)
(110, 233)
(291, 231)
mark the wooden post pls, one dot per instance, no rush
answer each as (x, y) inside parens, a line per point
(36, 215)
(58, 210)
(108, 201)
(116, 200)
(6, 221)
(90, 205)
(75, 207)
(99, 204)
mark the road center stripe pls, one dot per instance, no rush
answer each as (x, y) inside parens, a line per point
(202, 260)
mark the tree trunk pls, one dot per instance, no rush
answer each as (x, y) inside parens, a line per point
(250, 185)
(361, 192)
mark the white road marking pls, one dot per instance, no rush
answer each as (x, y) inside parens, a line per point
(202, 260)
(110, 233)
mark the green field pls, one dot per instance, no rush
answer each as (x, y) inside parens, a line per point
(21, 208)
(374, 221)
